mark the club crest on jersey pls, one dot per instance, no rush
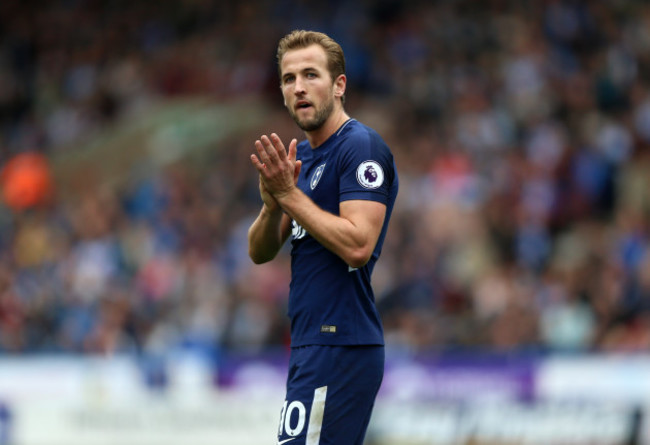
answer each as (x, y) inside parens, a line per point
(370, 174)
(316, 176)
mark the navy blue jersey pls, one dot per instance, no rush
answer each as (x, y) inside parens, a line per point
(329, 302)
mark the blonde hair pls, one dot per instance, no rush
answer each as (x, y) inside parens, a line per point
(299, 39)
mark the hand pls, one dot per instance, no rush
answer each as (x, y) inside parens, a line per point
(269, 201)
(278, 169)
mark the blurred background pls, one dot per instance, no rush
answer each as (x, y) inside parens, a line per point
(514, 283)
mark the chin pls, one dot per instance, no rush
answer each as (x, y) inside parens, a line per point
(310, 125)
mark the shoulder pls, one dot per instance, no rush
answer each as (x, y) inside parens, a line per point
(359, 137)
(354, 129)
(361, 142)
(365, 160)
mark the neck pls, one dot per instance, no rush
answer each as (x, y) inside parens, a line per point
(331, 125)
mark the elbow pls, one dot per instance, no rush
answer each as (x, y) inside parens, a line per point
(258, 258)
(358, 257)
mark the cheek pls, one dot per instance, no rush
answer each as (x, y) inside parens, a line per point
(285, 96)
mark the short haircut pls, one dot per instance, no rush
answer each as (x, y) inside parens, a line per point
(299, 39)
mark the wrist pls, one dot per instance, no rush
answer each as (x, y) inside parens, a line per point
(284, 195)
(271, 211)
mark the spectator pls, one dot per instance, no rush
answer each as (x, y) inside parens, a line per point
(521, 131)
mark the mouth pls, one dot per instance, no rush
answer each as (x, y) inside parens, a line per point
(302, 105)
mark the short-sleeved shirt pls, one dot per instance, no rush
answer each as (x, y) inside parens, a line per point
(331, 303)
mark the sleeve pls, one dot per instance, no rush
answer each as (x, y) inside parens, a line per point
(366, 169)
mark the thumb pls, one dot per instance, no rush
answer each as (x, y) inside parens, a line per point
(293, 149)
(296, 171)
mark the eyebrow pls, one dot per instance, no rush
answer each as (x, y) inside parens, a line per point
(309, 69)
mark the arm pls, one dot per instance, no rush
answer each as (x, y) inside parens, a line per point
(267, 234)
(352, 235)
(272, 227)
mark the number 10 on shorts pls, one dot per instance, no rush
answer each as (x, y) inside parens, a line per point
(295, 427)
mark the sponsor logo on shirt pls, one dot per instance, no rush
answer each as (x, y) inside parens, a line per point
(297, 231)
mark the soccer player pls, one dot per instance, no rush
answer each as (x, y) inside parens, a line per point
(333, 193)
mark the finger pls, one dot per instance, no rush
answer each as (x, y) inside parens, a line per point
(296, 171)
(262, 157)
(257, 163)
(270, 149)
(293, 149)
(279, 146)
(262, 152)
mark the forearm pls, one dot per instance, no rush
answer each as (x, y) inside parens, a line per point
(352, 242)
(265, 236)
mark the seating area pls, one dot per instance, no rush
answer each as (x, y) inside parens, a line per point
(521, 132)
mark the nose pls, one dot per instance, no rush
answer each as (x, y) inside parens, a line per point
(299, 86)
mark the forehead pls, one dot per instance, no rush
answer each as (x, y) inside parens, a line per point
(296, 60)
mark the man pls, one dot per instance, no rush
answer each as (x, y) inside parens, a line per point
(334, 194)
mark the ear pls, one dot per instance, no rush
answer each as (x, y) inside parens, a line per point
(339, 85)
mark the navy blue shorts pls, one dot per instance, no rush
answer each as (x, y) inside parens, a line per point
(331, 391)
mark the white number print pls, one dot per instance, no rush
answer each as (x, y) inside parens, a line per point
(294, 424)
(301, 418)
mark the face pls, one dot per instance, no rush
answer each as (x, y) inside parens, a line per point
(307, 87)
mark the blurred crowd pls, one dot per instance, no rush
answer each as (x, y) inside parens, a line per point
(521, 131)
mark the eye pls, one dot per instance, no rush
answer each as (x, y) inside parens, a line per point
(311, 75)
(288, 79)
